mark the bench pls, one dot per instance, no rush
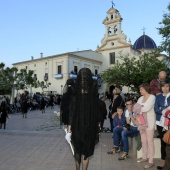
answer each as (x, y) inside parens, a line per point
(133, 145)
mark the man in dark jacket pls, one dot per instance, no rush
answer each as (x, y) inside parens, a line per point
(3, 116)
(24, 107)
(155, 84)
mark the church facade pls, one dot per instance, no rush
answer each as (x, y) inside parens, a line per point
(57, 69)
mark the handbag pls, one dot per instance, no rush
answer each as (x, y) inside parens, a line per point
(140, 119)
(166, 137)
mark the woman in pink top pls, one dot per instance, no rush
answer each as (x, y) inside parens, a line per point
(147, 101)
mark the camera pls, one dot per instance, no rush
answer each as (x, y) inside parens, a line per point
(127, 126)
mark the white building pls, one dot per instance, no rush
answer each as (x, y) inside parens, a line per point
(56, 69)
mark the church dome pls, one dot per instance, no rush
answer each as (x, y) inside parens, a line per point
(145, 42)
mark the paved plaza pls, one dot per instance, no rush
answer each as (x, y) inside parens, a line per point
(38, 143)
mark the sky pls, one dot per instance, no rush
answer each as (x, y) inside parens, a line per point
(31, 27)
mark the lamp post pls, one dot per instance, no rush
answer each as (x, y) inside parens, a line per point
(61, 89)
(61, 112)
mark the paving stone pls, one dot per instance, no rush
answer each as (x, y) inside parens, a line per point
(38, 143)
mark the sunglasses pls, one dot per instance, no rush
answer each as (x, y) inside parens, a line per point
(128, 104)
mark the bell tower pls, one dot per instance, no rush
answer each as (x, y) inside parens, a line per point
(114, 36)
(112, 23)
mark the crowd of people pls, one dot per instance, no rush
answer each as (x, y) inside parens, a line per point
(25, 102)
(84, 111)
(153, 103)
(130, 115)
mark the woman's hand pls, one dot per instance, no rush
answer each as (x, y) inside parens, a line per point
(68, 137)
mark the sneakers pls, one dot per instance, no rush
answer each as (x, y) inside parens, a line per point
(114, 150)
(123, 156)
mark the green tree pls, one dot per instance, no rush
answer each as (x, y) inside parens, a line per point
(132, 72)
(164, 30)
(11, 79)
(7, 78)
(25, 79)
(43, 85)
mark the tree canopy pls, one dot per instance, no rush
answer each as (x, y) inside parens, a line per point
(18, 79)
(7, 78)
(164, 30)
(132, 72)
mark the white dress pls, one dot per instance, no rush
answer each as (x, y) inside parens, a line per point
(148, 106)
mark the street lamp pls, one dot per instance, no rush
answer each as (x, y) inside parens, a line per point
(61, 89)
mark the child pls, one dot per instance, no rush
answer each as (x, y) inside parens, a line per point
(119, 119)
(118, 122)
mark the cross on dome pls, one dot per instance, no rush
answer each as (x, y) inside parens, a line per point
(143, 30)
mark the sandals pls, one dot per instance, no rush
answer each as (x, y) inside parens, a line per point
(141, 160)
(148, 165)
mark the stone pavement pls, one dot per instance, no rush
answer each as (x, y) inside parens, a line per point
(38, 143)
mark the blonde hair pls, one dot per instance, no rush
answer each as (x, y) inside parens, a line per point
(116, 91)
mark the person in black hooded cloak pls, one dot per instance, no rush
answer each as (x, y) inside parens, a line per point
(65, 102)
(84, 118)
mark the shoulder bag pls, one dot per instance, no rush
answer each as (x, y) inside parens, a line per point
(140, 119)
(166, 137)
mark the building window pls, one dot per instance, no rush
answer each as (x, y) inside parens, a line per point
(115, 29)
(75, 69)
(112, 58)
(109, 31)
(46, 77)
(35, 76)
(26, 67)
(45, 63)
(34, 65)
(96, 72)
(111, 16)
(59, 69)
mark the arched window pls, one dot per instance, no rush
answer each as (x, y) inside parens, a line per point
(109, 30)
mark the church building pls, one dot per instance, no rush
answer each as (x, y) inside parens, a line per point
(56, 69)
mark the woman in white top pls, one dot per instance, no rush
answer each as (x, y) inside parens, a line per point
(147, 101)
